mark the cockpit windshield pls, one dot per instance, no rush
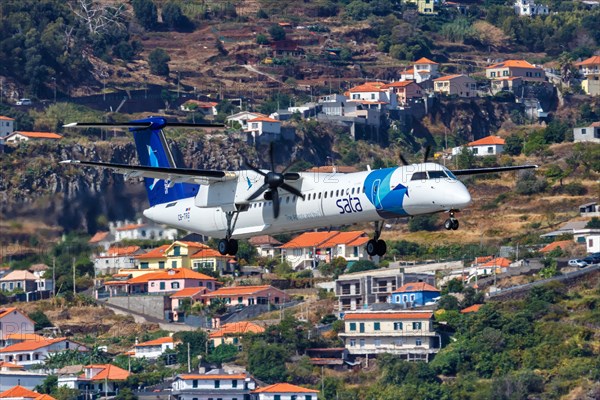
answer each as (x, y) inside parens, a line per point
(433, 174)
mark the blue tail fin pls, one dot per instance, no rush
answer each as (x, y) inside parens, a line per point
(153, 151)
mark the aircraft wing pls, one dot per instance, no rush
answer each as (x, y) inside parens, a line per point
(171, 175)
(474, 171)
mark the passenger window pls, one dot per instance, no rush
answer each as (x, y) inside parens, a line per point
(352, 191)
(287, 199)
(332, 193)
(325, 195)
(319, 195)
(337, 193)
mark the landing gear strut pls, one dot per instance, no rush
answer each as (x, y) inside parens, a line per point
(376, 246)
(229, 245)
(452, 222)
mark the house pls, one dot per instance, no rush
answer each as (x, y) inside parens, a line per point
(242, 118)
(425, 7)
(408, 334)
(507, 84)
(232, 333)
(455, 85)
(405, 91)
(307, 250)
(23, 136)
(515, 68)
(204, 107)
(590, 68)
(153, 349)
(212, 260)
(285, 48)
(414, 294)
(560, 244)
(98, 379)
(284, 391)
(359, 290)
(23, 281)
(487, 146)
(568, 228)
(116, 258)
(176, 255)
(7, 126)
(587, 133)
(19, 392)
(123, 230)
(248, 295)
(264, 127)
(592, 243)
(591, 209)
(12, 375)
(215, 384)
(332, 357)
(471, 309)
(528, 8)
(102, 239)
(33, 352)
(13, 321)
(373, 92)
(163, 282)
(153, 259)
(265, 245)
(425, 69)
(192, 295)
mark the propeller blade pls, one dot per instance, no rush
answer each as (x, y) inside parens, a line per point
(289, 166)
(404, 162)
(275, 195)
(272, 156)
(253, 168)
(258, 192)
(291, 189)
(291, 176)
(427, 151)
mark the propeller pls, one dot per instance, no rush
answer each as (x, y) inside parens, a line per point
(273, 181)
(427, 151)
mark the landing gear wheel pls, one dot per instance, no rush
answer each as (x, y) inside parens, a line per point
(454, 224)
(223, 247)
(233, 247)
(372, 247)
(448, 224)
(380, 248)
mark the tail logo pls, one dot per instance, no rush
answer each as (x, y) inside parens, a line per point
(154, 163)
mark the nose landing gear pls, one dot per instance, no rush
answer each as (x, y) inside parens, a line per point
(376, 246)
(451, 223)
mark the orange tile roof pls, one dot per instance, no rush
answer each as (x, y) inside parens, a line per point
(19, 392)
(29, 345)
(238, 290)
(4, 364)
(309, 239)
(368, 87)
(130, 227)
(424, 60)
(449, 77)
(158, 252)
(263, 119)
(384, 315)
(359, 241)
(176, 273)
(22, 275)
(108, 372)
(98, 237)
(39, 135)
(488, 140)
(6, 311)
(155, 342)
(483, 259)
(44, 397)
(263, 240)
(512, 64)
(473, 308)
(209, 253)
(23, 336)
(343, 238)
(189, 292)
(3, 118)
(498, 262)
(563, 244)
(237, 328)
(416, 287)
(399, 84)
(284, 388)
(593, 60)
(202, 104)
(191, 244)
(122, 251)
(201, 377)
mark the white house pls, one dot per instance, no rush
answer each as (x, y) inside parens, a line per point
(528, 8)
(13, 321)
(487, 146)
(97, 379)
(116, 258)
(212, 385)
(153, 349)
(587, 133)
(592, 243)
(425, 69)
(7, 126)
(374, 93)
(284, 391)
(243, 117)
(12, 375)
(22, 136)
(265, 245)
(32, 352)
(141, 230)
(260, 126)
(204, 107)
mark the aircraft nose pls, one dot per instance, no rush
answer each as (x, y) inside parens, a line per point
(462, 198)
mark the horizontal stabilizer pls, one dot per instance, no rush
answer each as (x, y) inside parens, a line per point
(475, 171)
(140, 125)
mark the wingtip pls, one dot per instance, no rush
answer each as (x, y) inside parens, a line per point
(70, 125)
(69, 162)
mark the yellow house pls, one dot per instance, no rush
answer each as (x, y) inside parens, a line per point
(153, 259)
(426, 7)
(590, 68)
(515, 69)
(455, 85)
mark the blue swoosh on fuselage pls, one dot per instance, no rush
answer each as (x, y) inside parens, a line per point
(387, 201)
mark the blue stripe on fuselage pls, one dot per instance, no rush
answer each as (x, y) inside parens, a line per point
(387, 201)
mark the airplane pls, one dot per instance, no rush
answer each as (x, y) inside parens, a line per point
(234, 205)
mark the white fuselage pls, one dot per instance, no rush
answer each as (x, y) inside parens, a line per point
(331, 199)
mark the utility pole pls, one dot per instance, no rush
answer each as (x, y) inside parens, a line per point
(53, 276)
(189, 359)
(74, 287)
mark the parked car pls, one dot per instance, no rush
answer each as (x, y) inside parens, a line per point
(591, 259)
(24, 102)
(577, 263)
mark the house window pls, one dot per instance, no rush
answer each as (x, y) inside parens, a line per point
(490, 150)
(377, 326)
(176, 251)
(493, 74)
(352, 342)
(404, 298)
(277, 397)
(361, 342)
(308, 397)
(377, 342)
(416, 325)
(361, 327)
(67, 344)
(240, 300)
(418, 342)
(475, 150)
(174, 285)
(398, 326)
(161, 265)
(217, 384)
(412, 297)
(352, 326)
(162, 286)
(234, 383)
(583, 131)
(195, 383)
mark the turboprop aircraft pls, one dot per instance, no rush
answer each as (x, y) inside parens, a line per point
(240, 204)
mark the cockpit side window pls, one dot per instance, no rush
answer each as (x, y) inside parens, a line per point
(419, 176)
(437, 175)
(451, 175)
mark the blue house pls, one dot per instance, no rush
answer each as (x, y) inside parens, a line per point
(414, 294)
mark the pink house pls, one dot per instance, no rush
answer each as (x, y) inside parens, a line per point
(168, 281)
(405, 91)
(249, 295)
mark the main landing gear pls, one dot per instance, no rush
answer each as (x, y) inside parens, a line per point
(228, 245)
(376, 246)
(452, 222)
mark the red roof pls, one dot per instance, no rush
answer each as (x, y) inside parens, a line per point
(130, 227)
(399, 84)
(29, 345)
(209, 253)
(473, 308)
(563, 244)
(158, 252)
(202, 104)
(512, 64)
(191, 244)
(368, 87)
(388, 315)
(344, 238)
(20, 392)
(189, 292)
(416, 287)
(237, 328)
(262, 240)
(122, 251)
(108, 372)
(98, 237)
(39, 135)
(327, 239)
(449, 77)
(3, 118)
(176, 273)
(6, 311)
(498, 262)
(263, 119)
(488, 140)
(483, 259)
(155, 342)
(238, 290)
(4, 364)
(284, 388)
(424, 60)
(593, 60)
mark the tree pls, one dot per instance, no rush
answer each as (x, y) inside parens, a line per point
(423, 223)
(465, 159)
(173, 17)
(125, 394)
(40, 319)
(146, 13)
(513, 145)
(159, 62)
(277, 32)
(261, 38)
(362, 265)
(222, 354)
(358, 10)
(593, 223)
(267, 362)
(528, 183)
